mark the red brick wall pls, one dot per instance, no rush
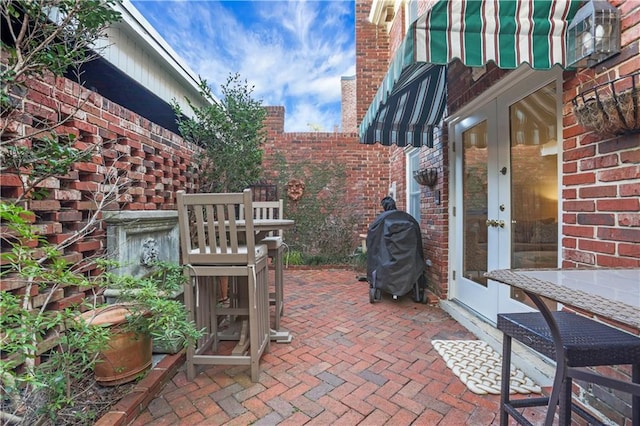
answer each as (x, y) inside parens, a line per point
(600, 173)
(366, 165)
(372, 57)
(348, 104)
(157, 163)
(461, 88)
(374, 50)
(600, 176)
(154, 159)
(397, 31)
(372, 61)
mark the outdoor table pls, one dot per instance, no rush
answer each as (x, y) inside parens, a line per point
(609, 294)
(262, 227)
(238, 331)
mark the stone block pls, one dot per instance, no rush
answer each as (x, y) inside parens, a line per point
(137, 238)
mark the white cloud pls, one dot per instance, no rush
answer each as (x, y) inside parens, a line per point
(307, 117)
(294, 52)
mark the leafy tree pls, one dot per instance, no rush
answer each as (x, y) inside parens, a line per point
(230, 132)
(41, 38)
(51, 35)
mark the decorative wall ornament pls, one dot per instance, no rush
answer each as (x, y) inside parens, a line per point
(149, 254)
(127, 232)
(427, 177)
(295, 189)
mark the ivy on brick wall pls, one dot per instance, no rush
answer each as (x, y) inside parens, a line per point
(325, 218)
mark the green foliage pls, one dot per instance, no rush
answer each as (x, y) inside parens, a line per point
(67, 348)
(66, 345)
(325, 224)
(150, 300)
(51, 35)
(293, 257)
(40, 37)
(230, 132)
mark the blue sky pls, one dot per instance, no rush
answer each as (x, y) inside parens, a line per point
(293, 52)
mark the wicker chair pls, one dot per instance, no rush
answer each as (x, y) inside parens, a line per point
(583, 342)
(218, 241)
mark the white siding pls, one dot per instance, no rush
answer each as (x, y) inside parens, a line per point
(136, 49)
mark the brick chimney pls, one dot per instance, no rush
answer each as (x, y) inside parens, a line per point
(349, 122)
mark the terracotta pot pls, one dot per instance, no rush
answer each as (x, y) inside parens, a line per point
(128, 353)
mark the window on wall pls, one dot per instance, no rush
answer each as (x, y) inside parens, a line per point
(413, 189)
(411, 12)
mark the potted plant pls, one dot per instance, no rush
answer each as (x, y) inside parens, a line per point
(47, 354)
(144, 312)
(127, 352)
(166, 280)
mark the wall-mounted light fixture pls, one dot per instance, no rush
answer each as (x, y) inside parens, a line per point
(593, 35)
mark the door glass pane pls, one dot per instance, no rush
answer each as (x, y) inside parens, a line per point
(534, 180)
(413, 207)
(474, 181)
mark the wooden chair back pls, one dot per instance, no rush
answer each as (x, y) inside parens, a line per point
(269, 210)
(214, 229)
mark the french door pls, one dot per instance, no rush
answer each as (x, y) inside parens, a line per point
(506, 192)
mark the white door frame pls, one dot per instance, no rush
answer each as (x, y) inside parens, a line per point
(480, 298)
(534, 80)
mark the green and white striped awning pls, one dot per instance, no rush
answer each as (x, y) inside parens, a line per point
(412, 97)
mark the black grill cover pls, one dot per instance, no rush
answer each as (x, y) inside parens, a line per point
(394, 252)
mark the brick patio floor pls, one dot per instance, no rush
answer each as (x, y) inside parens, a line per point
(350, 362)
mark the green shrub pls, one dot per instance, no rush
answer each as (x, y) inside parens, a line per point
(67, 348)
(293, 257)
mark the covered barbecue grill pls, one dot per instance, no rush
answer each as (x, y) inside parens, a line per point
(395, 261)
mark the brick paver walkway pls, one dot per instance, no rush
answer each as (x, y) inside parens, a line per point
(350, 362)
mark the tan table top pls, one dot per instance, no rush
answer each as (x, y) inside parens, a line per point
(609, 293)
(270, 224)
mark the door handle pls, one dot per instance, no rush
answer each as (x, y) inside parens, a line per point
(495, 223)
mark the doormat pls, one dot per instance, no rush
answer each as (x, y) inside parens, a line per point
(478, 366)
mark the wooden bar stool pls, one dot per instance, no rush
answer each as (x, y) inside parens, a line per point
(275, 246)
(218, 240)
